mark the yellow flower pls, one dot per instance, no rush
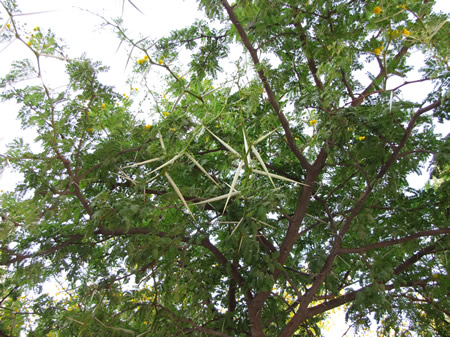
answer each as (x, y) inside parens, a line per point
(8, 25)
(405, 32)
(296, 138)
(103, 105)
(140, 61)
(395, 34)
(207, 138)
(164, 96)
(312, 122)
(362, 137)
(148, 126)
(182, 78)
(90, 129)
(29, 44)
(172, 129)
(377, 10)
(160, 61)
(117, 104)
(217, 125)
(435, 275)
(136, 89)
(377, 51)
(145, 58)
(402, 6)
(36, 28)
(165, 113)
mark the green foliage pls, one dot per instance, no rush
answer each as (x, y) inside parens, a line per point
(256, 203)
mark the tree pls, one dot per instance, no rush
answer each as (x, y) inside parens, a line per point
(257, 202)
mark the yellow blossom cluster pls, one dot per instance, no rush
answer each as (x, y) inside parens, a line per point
(312, 122)
(29, 43)
(143, 60)
(377, 10)
(377, 51)
(394, 33)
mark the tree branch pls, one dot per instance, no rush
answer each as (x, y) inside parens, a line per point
(50, 250)
(405, 137)
(223, 260)
(328, 265)
(323, 307)
(381, 74)
(347, 85)
(388, 243)
(351, 296)
(272, 99)
(192, 323)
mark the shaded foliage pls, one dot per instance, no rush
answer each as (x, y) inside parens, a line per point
(256, 203)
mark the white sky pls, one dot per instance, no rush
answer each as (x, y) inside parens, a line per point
(82, 33)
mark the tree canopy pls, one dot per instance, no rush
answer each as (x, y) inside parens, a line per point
(268, 191)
